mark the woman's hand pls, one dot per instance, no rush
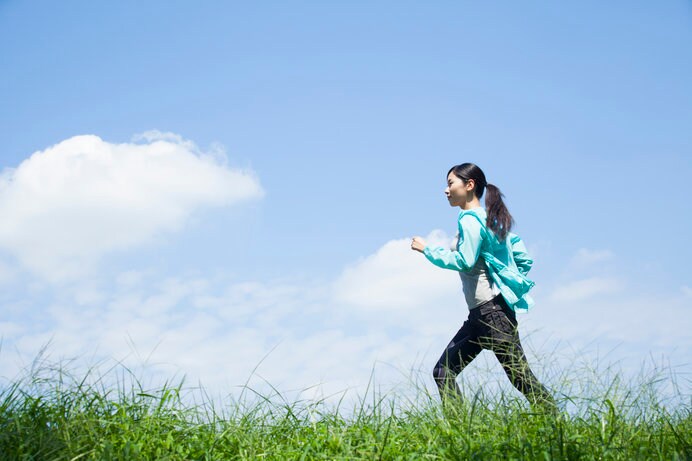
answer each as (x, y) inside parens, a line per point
(418, 244)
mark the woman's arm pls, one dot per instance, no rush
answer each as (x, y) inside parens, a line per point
(469, 249)
(521, 256)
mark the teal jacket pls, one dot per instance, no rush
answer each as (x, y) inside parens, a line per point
(507, 261)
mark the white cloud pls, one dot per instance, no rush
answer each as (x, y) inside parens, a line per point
(10, 330)
(7, 273)
(386, 309)
(608, 311)
(581, 290)
(586, 257)
(396, 279)
(73, 202)
(297, 333)
(640, 324)
(130, 278)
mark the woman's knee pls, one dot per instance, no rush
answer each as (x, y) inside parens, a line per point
(441, 373)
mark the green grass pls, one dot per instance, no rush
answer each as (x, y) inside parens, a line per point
(54, 415)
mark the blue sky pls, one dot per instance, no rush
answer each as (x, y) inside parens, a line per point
(304, 144)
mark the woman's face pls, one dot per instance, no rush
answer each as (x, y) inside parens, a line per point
(457, 190)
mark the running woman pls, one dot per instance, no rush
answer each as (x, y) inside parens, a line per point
(492, 264)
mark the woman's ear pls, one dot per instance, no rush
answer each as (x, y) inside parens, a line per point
(470, 185)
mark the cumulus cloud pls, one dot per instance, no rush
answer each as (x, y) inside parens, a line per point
(219, 332)
(395, 278)
(297, 334)
(69, 204)
(294, 333)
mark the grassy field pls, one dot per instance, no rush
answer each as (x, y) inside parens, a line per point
(53, 415)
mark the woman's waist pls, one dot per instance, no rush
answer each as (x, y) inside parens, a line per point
(497, 303)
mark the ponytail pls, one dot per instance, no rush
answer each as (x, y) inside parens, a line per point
(499, 219)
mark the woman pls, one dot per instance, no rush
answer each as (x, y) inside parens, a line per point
(492, 264)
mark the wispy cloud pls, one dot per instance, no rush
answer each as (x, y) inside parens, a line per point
(586, 256)
(7, 273)
(580, 290)
(65, 206)
(609, 310)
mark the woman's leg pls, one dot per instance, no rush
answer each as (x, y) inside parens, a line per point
(460, 352)
(505, 343)
(514, 362)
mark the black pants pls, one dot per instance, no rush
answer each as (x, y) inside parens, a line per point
(493, 326)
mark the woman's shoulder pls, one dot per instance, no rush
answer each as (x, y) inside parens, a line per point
(474, 215)
(473, 222)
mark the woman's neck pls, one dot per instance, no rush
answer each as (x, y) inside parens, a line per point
(471, 204)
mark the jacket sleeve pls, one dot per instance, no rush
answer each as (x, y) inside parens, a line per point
(521, 256)
(468, 250)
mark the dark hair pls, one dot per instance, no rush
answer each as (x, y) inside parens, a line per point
(499, 220)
